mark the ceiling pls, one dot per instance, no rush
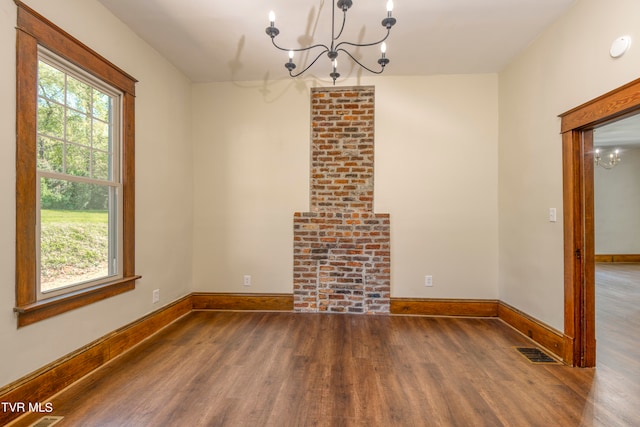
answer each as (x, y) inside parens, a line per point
(621, 133)
(215, 40)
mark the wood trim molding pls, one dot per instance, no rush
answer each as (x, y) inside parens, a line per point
(569, 345)
(617, 258)
(573, 224)
(62, 43)
(39, 310)
(616, 103)
(26, 101)
(544, 335)
(54, 377)
(231, 301)
(577, 127)
(444, 307)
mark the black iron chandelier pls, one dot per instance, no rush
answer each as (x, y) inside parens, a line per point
(335, 46)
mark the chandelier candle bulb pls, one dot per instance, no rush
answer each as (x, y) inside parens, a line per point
(272, 19)
(334, 75)
(383, 61)
(389, 7)
(290, 65)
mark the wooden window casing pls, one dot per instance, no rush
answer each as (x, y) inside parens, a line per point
(33, 30)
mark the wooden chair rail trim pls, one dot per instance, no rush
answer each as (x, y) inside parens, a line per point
(52, 378)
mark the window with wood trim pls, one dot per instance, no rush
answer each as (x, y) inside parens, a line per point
(74, 173)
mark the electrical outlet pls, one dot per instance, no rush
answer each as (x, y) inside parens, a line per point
(156, 295)
(247, 280)
(428, 280)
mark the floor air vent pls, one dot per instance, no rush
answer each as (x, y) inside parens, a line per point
(535, 355)
(46, 421)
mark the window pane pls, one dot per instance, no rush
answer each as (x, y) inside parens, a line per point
(100, 165)
(78, 127)
(74, 233)
(100, 135)
(101, 105)
(50, 82)
(50, 154)
(78, 229)
(78, 95)
(78, 158)
(50, 118)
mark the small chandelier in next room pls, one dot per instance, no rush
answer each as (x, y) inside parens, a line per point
(611, 160)
(336, 46)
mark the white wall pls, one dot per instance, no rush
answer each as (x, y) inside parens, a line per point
(436, 174)
(566, 66)
(163, 191)
(617, 205)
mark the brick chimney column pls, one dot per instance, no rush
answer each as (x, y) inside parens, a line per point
(341, 247)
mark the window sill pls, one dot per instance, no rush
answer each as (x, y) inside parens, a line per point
(40, 310)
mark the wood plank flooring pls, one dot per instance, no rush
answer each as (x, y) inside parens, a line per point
(287, 369)
(618, 340)
(618, 304)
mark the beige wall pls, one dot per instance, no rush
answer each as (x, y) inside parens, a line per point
(617, 204)
(163, 196)
(251, 154)
(436, 174)
(566, 66)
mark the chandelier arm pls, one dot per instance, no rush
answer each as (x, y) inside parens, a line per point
(301, 49)
(605, 166)
(360, 63)
(309, 66)
(364, 44)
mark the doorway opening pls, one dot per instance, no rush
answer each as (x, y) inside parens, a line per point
(617, 240)
(577, 127)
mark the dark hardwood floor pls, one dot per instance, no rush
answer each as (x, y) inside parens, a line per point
(285, 369)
